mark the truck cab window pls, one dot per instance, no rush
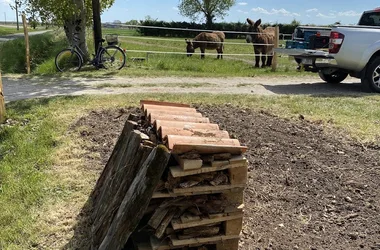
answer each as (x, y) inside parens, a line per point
(370, 19)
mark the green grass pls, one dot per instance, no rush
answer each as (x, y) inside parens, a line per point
(43, 49)
(29, 147)
(9, 30)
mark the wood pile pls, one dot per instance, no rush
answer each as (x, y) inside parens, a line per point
(190, 198)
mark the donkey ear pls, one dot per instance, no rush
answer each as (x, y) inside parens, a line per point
(258, 22)
(251, 22)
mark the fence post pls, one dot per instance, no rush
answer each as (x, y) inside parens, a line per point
(26, 44)
(2, 102)
(276, 42)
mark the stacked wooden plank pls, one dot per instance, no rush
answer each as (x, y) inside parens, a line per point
(199, 200)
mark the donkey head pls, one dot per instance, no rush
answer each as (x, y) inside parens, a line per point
(254, 28)
(189, 47)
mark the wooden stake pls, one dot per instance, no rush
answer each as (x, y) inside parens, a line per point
(2, 102)
(26, 43)
(276, 44)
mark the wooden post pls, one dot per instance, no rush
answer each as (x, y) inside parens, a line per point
(26, 43)
(276, 43)
(2, 102)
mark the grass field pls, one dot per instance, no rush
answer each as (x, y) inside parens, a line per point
(40, 160)
(159, 62)
(8, 30)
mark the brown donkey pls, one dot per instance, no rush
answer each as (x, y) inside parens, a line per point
(265, 39)
(205, 41)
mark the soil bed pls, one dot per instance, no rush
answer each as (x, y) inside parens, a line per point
(307, 188)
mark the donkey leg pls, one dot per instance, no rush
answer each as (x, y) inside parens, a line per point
(257, 57)
(202, 53)
(269, 61)
(257, 64)
(263, 60)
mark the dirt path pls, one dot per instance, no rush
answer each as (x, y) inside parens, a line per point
(18, 87)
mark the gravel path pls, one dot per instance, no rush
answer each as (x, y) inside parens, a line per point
(21, 87)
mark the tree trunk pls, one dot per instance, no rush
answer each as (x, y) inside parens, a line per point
(209, 20)
(77, 24)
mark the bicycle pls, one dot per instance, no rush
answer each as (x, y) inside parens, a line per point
(111, 56)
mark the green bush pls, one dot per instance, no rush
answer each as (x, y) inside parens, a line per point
(43, 48)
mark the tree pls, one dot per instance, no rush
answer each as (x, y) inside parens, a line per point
(74, 16)
(16, 8)
(295, 23)
(209, 8)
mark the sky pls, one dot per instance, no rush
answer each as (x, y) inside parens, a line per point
(322, 12)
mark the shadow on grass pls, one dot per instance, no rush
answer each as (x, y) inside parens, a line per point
(82, 229)
(319, 89)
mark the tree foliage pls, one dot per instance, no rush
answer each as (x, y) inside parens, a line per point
(208, 8)
(58, 11)
(73, 15)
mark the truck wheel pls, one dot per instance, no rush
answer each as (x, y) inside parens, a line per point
(372, 76)
(335, 77)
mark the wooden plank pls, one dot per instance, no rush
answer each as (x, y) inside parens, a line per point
(219, 163)
(233, 227)
(162, 103)
(196, 140)
(205, 189)
(206, 240)
(115, 159)
(186, 218)
(236, 197)
(238, 175)
(161, 212)
(2, 102)
(238, 158)
(182, 148)
(177, 224)
(190, 164)
(157, 217)
(231, 189)
(228, 245)
(171, 112)
(184, 125)
(164, 131)
(161, 107)
(165, 222)
(168, 117)
(136, 199)
(176, 171)
(205, 231)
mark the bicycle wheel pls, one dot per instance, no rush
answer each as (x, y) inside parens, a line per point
(112, 57)
(68, 60)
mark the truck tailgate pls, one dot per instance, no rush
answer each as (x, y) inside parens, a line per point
(303, 52)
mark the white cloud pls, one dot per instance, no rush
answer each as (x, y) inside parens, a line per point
(281, 11)
(312, 10)
(175, 8)
(242, 3)
(261, 10)
(241, 11)
(325, 16)
(349, 13)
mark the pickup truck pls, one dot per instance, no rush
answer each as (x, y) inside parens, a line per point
(353, 50)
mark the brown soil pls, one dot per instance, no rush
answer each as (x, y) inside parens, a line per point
(307, 188)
